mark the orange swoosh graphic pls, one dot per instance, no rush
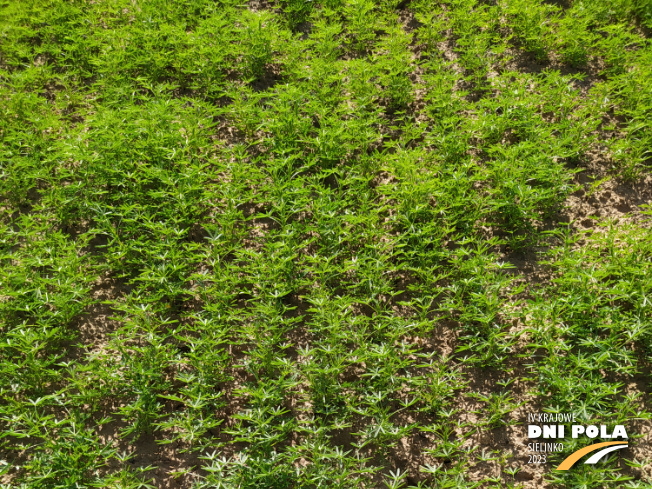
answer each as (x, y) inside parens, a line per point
(575, 456)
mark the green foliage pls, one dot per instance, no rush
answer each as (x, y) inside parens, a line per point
(257, 33)
(281, 240)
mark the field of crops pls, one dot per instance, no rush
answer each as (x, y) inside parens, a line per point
(330, 243)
